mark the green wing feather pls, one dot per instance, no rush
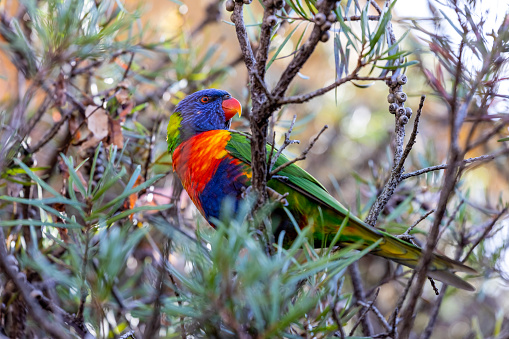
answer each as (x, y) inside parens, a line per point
(318, 200)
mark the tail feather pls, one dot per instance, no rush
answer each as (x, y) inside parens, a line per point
(405, 253)
(441, 267)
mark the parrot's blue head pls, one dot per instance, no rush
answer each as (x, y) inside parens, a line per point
(206, 110)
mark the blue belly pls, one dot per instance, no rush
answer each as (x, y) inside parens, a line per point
(228, 182)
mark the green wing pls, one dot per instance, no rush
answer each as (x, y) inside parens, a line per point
(356, 230)
(239, 147)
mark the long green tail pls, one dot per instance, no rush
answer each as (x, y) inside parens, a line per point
(327, 220)
(402, 252)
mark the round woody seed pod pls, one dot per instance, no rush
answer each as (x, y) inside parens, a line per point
(332, 17)
(271, 20)
(403, 119)
(325, 36)
(408, 112)
(22, 276)
(402, 79)
(229, 5)
(401, 96)
(401, 111)
(326, 26)
(390, 98)
(36, 294)
(320, 19)
(279, 4)
(393, 108)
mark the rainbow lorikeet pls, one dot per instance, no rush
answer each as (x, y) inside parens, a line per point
(213, 163)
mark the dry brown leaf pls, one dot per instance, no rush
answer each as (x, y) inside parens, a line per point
(116, 136)
(97, 121)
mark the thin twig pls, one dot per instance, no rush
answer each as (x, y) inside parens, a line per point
(407, 236)
(366, 308)
(335, 314)
(445, 166)
(376, 311)
(303, 154)
(401, 300)
(451, 218)
(297, 99)
(50, 134)
(485, 233)
(287, 142)
(40, 112)
(128, 68)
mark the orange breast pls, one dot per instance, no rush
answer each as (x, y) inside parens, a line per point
(196, 161)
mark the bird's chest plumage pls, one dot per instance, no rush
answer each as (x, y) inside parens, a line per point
(208, 172)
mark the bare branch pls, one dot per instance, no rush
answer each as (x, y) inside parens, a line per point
(364, 314)
(303, 154)
(481, 158)
(485, 233)
(304, 53)
(287, 142)
(297, 99)
(407, 236)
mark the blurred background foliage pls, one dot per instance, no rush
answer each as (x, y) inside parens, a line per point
(98, 226)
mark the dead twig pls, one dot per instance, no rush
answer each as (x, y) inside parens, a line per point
(366, 308)
(484, 234)
(481, 158)
(407, 236)
(300, 157)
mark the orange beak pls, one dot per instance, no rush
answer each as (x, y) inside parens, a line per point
(231, 107)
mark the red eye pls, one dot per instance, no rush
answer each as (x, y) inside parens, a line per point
(204, 99)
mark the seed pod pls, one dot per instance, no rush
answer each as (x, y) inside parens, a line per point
(229, 5)
(332, 17)
(402, 79)
(279, 4)
(22, 276)
(403, 119)
(401, 111)
(325, 36)
(326, 26)
(393, 108)
(408, 112)
(36, 294)
(271, 20)
(390, 98)
(401, 96)
(247, 2)
(320, 19)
